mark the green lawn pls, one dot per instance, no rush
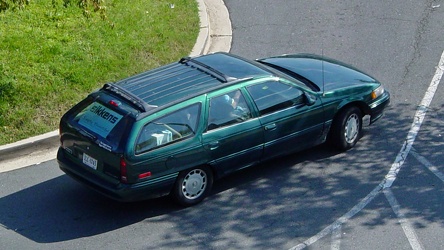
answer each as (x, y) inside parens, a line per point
(52, 56)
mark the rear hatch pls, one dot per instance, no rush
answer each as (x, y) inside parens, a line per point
(93, 136)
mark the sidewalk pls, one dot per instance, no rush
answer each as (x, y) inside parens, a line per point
(215, 35)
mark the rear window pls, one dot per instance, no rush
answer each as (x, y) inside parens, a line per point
(98, 119)
(101, 122)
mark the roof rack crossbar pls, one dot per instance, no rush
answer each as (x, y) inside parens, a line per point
(136, 101)
(206, 69)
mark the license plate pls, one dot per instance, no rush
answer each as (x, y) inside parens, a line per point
(89, 161)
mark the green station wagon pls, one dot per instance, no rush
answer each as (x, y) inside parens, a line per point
(175, 129)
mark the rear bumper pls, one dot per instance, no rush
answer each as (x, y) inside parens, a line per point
(377, 108)
(148, 189)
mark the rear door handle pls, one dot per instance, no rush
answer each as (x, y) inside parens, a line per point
(270, 127)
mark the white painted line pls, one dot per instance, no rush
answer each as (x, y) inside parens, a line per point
(405, 224)
(396, 166)
(416, 125)
(343, 219)
(336, 238)
(429, 165)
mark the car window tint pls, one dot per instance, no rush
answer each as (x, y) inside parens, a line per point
(98, 118)
(228, 109)
(172, 127)
(101, 121)
(274, 95)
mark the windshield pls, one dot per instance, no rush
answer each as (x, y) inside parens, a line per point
(290, 75)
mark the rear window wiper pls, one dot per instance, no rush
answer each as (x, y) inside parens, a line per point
(87, 134)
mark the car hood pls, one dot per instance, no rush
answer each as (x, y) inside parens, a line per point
(336, 74)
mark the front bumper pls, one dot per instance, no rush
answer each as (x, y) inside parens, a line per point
(121, 192)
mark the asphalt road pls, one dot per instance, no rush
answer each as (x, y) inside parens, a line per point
(317, 199)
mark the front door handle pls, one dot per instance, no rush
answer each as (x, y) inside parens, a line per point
(270, 127)
(213, 145)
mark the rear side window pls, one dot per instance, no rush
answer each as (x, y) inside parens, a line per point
(228, 109)
(173, 127)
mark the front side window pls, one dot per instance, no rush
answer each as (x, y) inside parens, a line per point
(274, 95)
(228, 109)
(173, 127)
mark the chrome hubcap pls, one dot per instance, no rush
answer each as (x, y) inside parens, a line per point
(194, 184)
(352, 128)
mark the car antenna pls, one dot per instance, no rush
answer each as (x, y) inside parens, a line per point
(323, 74)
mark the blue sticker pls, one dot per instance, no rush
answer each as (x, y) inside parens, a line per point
(99, 119)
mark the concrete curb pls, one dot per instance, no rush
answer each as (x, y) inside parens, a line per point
(215, 35)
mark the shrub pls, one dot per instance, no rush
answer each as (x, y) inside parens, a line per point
(13, 4)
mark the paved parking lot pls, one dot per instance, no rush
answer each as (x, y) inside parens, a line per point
(387, 193)
(385, 187)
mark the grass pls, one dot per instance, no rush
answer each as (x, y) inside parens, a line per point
(52, 56)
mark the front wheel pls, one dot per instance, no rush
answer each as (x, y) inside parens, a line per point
(193, 185)
(346, 129)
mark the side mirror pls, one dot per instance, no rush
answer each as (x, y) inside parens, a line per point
(310, 99)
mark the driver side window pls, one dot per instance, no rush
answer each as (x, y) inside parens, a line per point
(273, 96)
(168, 129)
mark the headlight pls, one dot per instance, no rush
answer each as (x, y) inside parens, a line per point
(377, 92)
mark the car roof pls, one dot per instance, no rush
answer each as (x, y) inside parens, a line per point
(187, 78)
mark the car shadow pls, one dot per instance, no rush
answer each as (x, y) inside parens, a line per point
(61, 209)
(274, 203)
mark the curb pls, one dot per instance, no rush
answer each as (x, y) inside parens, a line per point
(215, 35)
(202, 41)
(48, 139)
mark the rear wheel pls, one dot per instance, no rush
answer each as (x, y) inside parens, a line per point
(346, 129)
(193, 185)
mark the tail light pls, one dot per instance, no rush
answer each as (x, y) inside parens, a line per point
(60, 134)
(123, 171)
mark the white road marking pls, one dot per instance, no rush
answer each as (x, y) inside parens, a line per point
(343, 219)
(405, 224)
(336, 238)
(429, 165)
(416, 125)
(397, 164)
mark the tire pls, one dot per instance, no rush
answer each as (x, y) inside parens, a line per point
(192, 186)
(346, 129)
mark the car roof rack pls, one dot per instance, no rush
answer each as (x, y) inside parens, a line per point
(181, 80)
(207, 69)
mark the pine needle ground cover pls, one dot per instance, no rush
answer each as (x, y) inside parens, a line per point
(53, 53)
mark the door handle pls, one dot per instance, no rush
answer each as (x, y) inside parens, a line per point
(270, 127)
(213, 145)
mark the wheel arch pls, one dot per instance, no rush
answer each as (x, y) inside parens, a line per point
(337, 135)
(365, 109)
